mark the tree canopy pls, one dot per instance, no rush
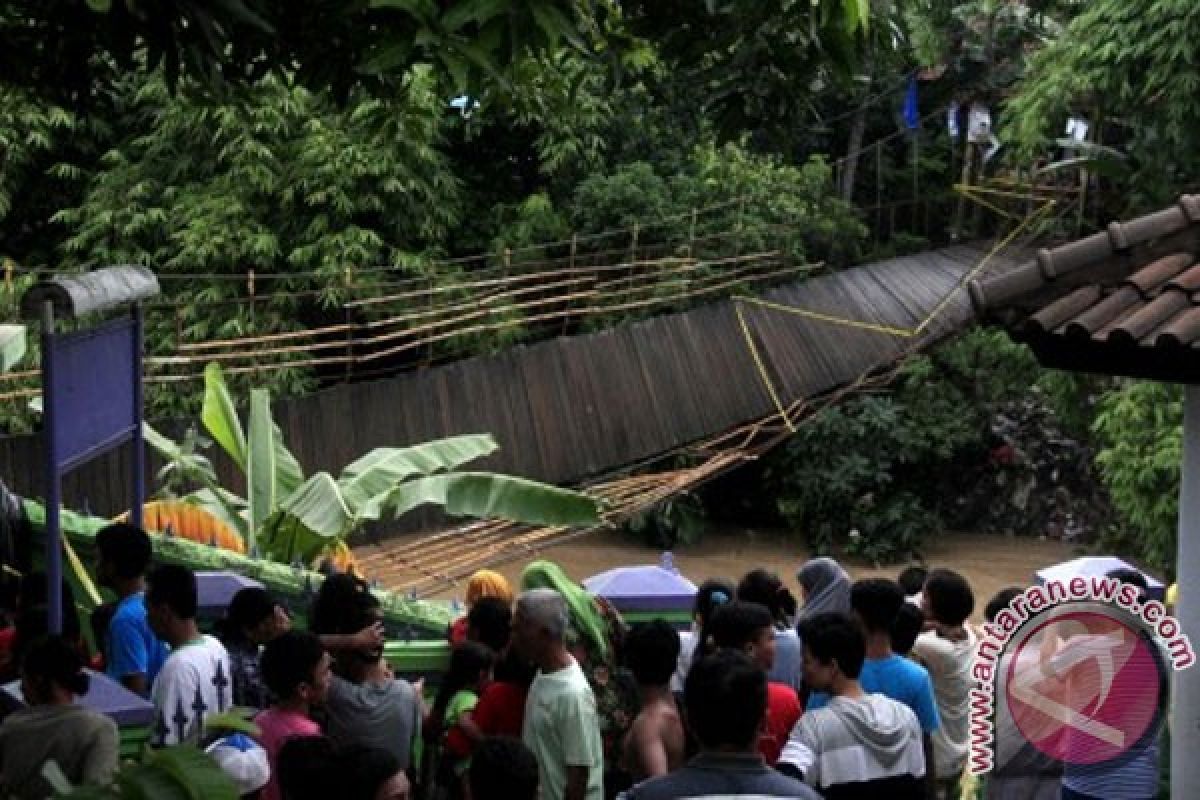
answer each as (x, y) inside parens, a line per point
(66, 47)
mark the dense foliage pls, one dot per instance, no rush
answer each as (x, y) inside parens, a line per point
(1139, 427)
(1130, 67)
(870, 474)
(71, 48)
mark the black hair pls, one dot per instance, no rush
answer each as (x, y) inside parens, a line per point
(513, 668)
(54, 659)
(835, 636)
(1000, 601)
(344, 604)
(307, 769)
(876, 601)
(490, 621)
(1133, 577)
(652, 652)
(906, 628)
(467, 660)
(174, 586)
(713, 593)
(912, 579)
(364, 769)
(950, 598)
(766, 589)
(289, 660)
(725, 696)
(249, 607)
(735, 625)
(503, 768)
(126, 547)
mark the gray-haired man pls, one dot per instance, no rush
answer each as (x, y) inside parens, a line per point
(561, 726)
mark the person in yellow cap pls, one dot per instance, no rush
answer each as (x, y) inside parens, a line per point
(483, 583)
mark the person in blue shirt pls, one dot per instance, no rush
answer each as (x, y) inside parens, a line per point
(876, 602)
(133, 654)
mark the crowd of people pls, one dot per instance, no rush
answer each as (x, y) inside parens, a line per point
(857, 689)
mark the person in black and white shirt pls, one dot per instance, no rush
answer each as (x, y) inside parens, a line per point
(194, 683)
(858, 745)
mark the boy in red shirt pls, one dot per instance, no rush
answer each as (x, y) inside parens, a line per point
(749, 628)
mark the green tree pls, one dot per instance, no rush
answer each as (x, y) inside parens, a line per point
(68, 48)
(316, 200)
(1140, 430)
(1130, 67)
(877, 463)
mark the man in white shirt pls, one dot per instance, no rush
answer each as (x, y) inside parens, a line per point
(948, 651)
(194, 683)
(561, 725)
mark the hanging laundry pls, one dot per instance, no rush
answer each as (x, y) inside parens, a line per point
(1077, 129)
(979, 124)
(912, 117)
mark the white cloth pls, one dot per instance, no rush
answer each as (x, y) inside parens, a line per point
(949, 664)
(193, 684)
(687, 651)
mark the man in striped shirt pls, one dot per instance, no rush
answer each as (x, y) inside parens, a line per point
(857, 745)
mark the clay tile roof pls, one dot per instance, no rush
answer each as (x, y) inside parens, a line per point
(1125, 301)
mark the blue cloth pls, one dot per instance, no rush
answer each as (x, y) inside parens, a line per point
(788, 660)
(900, 679)
(133, 649)
(912, 117)
(1131, 776)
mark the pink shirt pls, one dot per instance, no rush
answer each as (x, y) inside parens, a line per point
(277, 726)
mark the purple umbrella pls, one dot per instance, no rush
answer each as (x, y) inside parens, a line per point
(646, 587)
(1098, 567)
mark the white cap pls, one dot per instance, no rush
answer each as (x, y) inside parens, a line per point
(243, 760)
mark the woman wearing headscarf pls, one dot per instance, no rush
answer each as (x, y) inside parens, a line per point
(483, 583)
(825, 586)
(595, 636)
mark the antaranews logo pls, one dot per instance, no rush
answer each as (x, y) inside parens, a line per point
(1079, 670)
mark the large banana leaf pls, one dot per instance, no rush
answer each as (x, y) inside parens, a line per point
(488, 495)
(307, 521)
(260, 463)
(12, 346)
(288, 472)
(380, 470)
(220, 416)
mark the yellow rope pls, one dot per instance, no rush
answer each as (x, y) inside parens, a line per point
(834, 320)
(762, 369)
(739, 301)
(1001, 245)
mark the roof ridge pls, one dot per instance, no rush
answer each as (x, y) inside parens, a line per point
(1050, 264)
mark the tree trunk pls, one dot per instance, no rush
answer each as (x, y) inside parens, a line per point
(858, 129)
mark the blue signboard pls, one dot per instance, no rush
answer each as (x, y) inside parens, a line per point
(91, 396)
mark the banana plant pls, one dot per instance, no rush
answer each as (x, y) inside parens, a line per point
(288, 516)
